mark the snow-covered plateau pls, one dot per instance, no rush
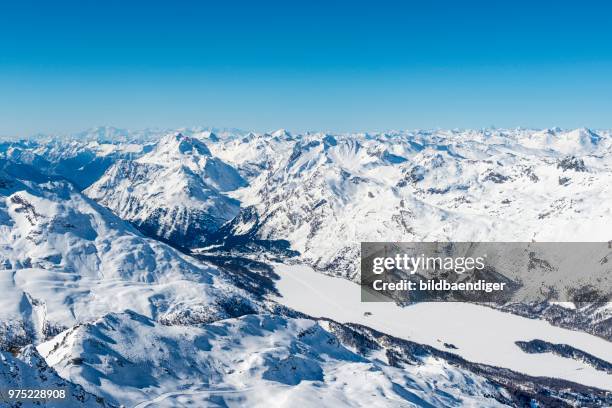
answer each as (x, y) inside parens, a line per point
(206, 267)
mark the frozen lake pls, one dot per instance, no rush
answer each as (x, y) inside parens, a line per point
(481, 334)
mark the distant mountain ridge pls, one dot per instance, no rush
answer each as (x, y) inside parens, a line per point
(307, 188)
(92, 300)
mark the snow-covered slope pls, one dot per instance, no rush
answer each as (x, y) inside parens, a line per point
(175, 192)
(137, 322)
(27, 370)
(65, 259)
(477, 333)
(252, 361)
(79, 161)
(333, 191)
(254, 153)
(259, 359)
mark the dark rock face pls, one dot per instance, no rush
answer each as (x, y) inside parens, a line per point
(253, 276)
(189, 229)
(572, 163)
(227, 308)
(495, 177)
(564, 350)
(233, 238)
(588, 319)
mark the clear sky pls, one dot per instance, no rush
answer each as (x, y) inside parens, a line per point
(304, 65)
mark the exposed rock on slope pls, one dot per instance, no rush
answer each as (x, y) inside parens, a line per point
(27, 370)
(175, 192)
(64, 259)
(327, 193)
(251, 361)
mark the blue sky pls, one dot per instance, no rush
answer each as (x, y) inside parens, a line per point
(304, 65)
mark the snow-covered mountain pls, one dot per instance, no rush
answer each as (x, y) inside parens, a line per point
(327, 192)
(65, 259)
(93, 300)
(248, 361)
(79, 161)
(256, 359)
(253, 154)
(27, 369)
(176, 192)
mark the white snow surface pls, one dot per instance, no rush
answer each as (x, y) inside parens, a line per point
(482, 334)
(65, 259)
(71, 269)
(327, 193)
(176, 190)
(27, 370)
(256, 360)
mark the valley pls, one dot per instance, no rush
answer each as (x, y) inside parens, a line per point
(217, 267)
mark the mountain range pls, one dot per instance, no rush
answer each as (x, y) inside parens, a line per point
(138, 267)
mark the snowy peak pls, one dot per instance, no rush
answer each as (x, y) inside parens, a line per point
(176, 192)
(282, 134)
(103, 133)
(583, 137)
(578, 141)
(64, 259)
(139, 323)
(467, 185)
(177, 150)
(179, 144)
